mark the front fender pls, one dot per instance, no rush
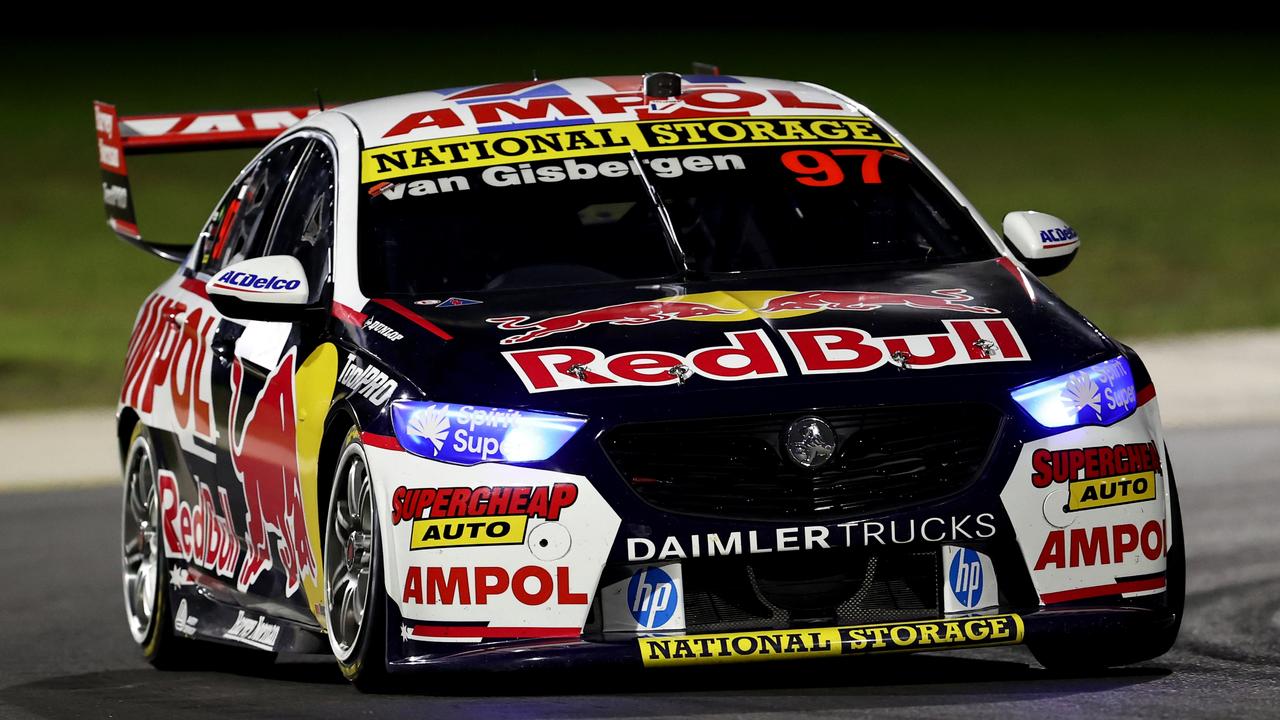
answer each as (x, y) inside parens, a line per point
(489, 551)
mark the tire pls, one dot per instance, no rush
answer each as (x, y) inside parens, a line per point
(1138, 646)
(355, 597)
(143, 566)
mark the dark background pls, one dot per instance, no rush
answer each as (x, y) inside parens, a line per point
(1156, 137)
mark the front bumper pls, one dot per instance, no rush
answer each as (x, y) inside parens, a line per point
(531, 592)
(1081, 626)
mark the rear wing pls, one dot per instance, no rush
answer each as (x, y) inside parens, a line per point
(122, 137)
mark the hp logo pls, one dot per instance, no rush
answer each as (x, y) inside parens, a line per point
(965, 575)
(652, 597)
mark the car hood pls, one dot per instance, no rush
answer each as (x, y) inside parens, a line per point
(495, 338)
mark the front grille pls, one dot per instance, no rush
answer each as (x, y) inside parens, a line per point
(809, 590)
(885, 458)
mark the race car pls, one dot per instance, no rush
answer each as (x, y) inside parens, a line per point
(651, 370)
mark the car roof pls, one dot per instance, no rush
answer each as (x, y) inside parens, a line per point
(499, 107)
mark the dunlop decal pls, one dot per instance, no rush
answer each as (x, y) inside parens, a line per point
(552, 143)
(914, 636)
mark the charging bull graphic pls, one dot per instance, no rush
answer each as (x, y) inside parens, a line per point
(633, 313)
(654, 311)
(265, 457)
(949, 299)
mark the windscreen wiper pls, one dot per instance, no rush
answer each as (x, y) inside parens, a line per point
(668, 227)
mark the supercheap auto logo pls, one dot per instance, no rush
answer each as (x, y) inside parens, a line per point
(1097, 477)
(553, 143)
(487, 515)
(829, 642)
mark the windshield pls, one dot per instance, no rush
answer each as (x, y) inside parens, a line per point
(587, 218)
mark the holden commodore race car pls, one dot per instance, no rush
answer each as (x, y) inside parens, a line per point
(650, 370)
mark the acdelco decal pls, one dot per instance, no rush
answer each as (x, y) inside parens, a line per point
(169, 348)
(750, 355)
(1101, 545)
(530, 585)
(464, 516)
(199, 535)
(619, 138)
(828, 642)
(247, 281)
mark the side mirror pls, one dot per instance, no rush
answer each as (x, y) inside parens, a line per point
(272, 288)
(1044, 243)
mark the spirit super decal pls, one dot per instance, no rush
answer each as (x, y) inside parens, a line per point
(828, 642)
(619, 138)
(751, 355)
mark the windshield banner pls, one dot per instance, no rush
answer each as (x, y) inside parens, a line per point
(551, 143)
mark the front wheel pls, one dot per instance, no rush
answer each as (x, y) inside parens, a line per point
(355, 599)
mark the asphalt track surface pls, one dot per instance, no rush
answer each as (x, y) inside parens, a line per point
(65, 652)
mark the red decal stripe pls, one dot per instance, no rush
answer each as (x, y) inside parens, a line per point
(348, 314)
(1146, 394)
(969, 337)
(465, 631)
(1104, 590)
(195, 287)
(418, 320)
(124, 227)
(385, 442)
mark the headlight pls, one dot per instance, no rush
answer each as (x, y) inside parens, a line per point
(470, 434)
(1100, 394)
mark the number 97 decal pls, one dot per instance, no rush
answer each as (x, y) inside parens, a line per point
(822, 169)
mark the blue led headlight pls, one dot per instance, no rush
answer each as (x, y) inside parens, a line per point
(1100, 394)
(470, 434)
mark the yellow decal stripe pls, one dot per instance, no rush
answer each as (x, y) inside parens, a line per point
(1110, 491)
(757, 646)
(620, 138)
(313, 391)
(466, 531)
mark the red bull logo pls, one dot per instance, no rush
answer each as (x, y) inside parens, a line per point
(633, 313)
(950, 299)
(751, 355)
(265, 457)
(787, 303)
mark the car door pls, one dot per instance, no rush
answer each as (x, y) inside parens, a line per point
(277, 376)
